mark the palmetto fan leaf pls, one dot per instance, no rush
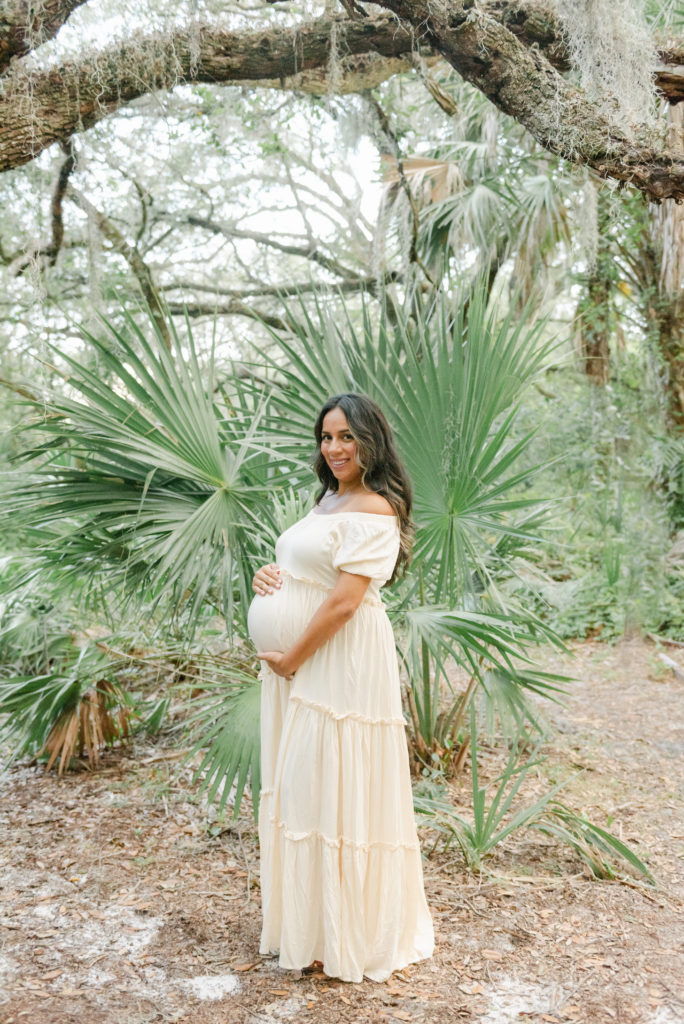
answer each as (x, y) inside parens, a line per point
(78, 705)
(448, 383)
(154, 479)
(143, 462)
(226, 726)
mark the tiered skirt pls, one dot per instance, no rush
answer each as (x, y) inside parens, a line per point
(341, 870)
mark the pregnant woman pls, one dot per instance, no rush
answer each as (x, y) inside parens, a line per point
(341, 872)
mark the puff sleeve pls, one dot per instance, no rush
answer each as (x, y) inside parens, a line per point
(366, 546)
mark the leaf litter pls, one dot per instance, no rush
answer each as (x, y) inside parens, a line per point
(118, 893)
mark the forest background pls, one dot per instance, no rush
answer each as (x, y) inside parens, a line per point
(215, 215)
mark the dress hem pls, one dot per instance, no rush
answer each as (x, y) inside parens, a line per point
(377, 976)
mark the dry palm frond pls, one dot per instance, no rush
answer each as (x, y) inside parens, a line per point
(97, 720)
(430, 180)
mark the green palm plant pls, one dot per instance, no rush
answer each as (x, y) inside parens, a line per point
(491, 823)
(224, 729)
(500, 199)
(497, 814)
(144, 483)
(524, 217)
(77, 706)
(450, 381)
(33, 632)
(154, 484)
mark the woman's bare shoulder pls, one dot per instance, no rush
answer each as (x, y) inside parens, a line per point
(373, 502)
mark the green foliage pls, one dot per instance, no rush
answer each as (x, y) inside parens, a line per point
(498, 817)
(597, 847)
(224, 723)
(612, 560)
(152, 483)
(77, 704)
(33, 629)
(491, 824)
(143, 483)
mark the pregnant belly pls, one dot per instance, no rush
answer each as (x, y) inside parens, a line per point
(265, 621)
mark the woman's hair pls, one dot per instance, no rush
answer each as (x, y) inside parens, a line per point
(381, 468)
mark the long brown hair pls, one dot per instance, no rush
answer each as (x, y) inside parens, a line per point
(381, 467)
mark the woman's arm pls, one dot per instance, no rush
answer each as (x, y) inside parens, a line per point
(336, 610)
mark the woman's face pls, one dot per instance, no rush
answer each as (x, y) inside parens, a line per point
(338, 448)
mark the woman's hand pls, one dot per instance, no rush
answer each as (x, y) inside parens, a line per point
(279, 662)
(266, 579)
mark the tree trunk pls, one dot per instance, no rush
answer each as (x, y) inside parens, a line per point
(668, 222)
(595, 309)
(595, 330)
(670, 326)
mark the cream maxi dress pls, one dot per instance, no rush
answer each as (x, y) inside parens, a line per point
(341, 872)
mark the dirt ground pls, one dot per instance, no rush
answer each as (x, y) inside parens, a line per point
(123, 899)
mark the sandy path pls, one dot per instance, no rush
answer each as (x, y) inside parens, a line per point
(122, 901)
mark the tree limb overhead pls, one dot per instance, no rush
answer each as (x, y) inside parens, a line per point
(521, 82)
(512, 50)
(38, 108)
(25, 24)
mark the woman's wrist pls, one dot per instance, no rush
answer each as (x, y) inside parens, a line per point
(290, 661)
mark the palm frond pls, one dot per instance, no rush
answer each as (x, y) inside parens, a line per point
(225, 723)
(77, 707)
(143, 462)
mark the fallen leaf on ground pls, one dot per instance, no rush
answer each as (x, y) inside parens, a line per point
(473, 989)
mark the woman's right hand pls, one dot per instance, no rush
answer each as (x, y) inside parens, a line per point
(266, 579)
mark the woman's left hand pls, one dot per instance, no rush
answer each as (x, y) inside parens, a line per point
(278, 662)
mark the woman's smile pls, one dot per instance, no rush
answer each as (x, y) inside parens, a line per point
(338, 448)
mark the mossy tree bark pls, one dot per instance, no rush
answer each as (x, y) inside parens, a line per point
(595, 310)
(670, 332)
(669, 221)
(38, 108)
(522, 83)
(511, 51)
(25, 24)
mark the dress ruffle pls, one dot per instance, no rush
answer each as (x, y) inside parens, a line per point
(341, 870)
